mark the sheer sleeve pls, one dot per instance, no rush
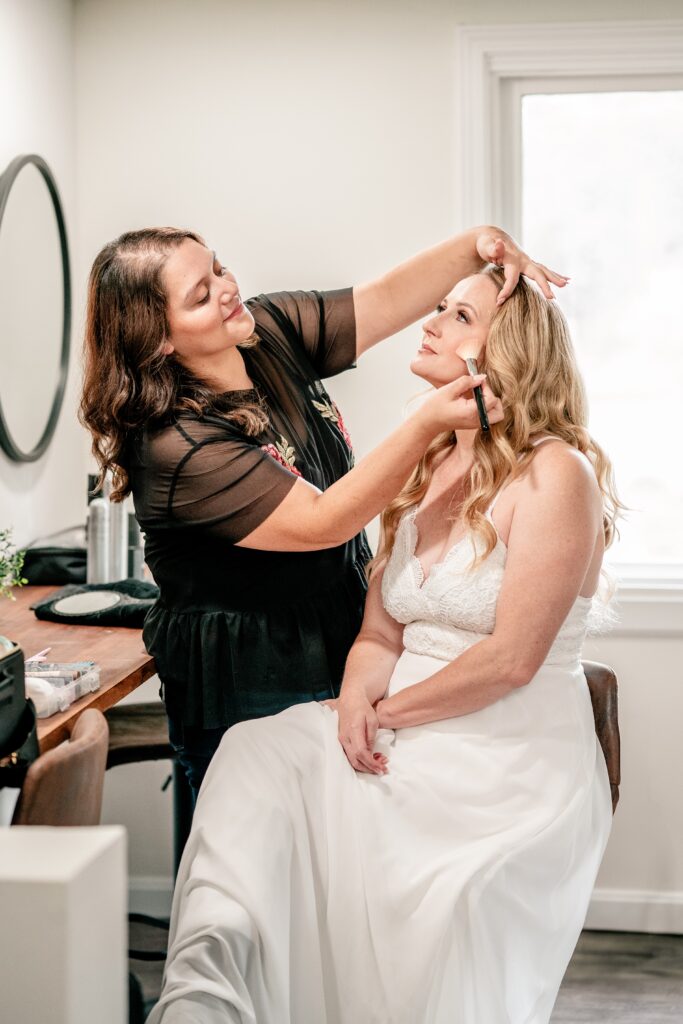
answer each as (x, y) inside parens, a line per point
(214, 479)
(322, 323)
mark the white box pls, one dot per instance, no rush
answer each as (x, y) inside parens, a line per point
(63, 931)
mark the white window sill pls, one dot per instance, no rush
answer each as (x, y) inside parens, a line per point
(649, 602)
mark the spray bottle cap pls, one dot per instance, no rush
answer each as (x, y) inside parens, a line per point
(93, 490)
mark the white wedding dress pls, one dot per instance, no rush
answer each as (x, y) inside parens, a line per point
(450, 891)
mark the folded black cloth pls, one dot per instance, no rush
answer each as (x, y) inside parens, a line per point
(124, 603)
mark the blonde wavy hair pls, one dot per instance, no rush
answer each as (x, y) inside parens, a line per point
(531, 365)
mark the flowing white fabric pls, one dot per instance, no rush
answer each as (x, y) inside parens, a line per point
(451, 891)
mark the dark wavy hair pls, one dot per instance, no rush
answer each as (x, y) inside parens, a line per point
(128, 383)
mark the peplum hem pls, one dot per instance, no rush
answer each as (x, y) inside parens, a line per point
(222, 665)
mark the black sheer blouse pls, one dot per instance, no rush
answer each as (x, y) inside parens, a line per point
(239, 633)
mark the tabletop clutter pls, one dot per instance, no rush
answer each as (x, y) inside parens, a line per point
(115, 549)
(53, 686)
(101, 570)
(107, 548)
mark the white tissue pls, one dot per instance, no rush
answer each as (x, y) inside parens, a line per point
(46, 697)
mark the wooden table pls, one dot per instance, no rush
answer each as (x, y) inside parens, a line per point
(124, 662)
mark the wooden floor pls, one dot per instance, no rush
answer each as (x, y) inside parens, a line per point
(614, 978)
(623, 978)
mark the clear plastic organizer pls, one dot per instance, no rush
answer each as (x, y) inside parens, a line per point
(54, 686)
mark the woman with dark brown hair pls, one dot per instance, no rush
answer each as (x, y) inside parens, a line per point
(213, 414)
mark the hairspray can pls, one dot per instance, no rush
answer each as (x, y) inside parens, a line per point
(136, 555)
(98, 541)
(118, 541)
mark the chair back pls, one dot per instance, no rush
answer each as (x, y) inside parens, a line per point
(602, 684)
(64, 786)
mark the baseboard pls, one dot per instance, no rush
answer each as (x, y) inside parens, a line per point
(617, 910)
(636, 910)
(150, 894)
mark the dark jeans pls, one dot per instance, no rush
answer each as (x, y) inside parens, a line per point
(195, 746)
(194, 749)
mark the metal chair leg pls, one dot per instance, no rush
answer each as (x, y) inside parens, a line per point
(183, 808)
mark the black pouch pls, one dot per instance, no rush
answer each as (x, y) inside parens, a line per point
(60, 558)
(124, 603)
(18, 726)
(12, 692)
(23, 749)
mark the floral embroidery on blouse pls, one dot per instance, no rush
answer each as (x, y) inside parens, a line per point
(330, 411)
(283, 453)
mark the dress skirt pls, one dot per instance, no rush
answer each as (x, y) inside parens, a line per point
(450, 891)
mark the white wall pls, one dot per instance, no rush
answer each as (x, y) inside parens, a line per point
(37, 115)
(312, 144)
(640, 884)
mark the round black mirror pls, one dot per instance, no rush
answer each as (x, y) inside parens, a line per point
(35, 308)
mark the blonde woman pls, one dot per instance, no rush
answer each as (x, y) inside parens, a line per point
(422, 850)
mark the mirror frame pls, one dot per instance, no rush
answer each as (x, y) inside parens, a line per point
(7, 179)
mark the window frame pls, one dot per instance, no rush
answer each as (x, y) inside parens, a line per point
(495, 66)
(489, 56)
(513, 90)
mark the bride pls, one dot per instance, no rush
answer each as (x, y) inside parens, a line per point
(423, 850)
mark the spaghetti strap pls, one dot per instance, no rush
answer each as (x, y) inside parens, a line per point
(491, 507)
(546, 437)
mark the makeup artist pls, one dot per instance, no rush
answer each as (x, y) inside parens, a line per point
(212, 412)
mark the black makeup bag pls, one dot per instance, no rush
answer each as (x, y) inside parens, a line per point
(57, 559)
(18, 729)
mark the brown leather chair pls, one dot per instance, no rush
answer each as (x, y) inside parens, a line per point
(138, 732)
(602, 684)
(64, 786)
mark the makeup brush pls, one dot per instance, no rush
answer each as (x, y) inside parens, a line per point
(478, 396)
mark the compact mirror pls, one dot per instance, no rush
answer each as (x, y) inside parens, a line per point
(84, 604)
(35, 308)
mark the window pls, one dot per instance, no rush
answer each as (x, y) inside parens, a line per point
(602, 200)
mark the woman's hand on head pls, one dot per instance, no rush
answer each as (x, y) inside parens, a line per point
(453, 406)
(358, 726)
(498, 247)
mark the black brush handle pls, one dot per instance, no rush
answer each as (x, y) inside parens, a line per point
(479, 399)
(478, 396)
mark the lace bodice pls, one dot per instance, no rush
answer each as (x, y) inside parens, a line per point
(455, 606)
